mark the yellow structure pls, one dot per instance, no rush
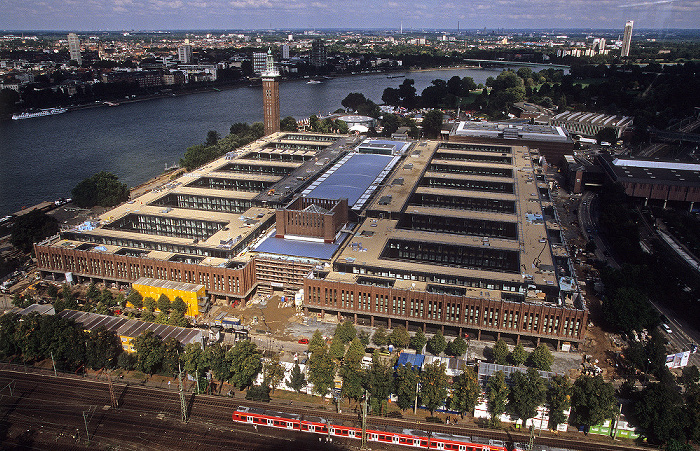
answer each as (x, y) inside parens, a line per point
(189, 292)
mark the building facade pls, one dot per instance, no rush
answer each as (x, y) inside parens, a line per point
(627, 39)
(318, 53)
(74, 48)
(271, 96)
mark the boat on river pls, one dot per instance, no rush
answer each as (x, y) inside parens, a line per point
(39, 113)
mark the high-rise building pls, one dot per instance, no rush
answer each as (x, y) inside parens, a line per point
(184, 52)
(318, 53)
(74, 48)
(627, 39)
(271, 96)
(285, 51)
(259, 62)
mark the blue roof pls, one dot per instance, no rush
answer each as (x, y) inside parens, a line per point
(351, 178)
(416, 360)
(299, 248)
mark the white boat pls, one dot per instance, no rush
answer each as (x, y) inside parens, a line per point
(39, 113)
(313, 82)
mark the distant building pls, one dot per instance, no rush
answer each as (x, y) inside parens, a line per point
(589, 124)
(627, 39)
(184, 53)
(318, 53)
(271, 96)
(285, 51)
(74, 48)
(259, 62)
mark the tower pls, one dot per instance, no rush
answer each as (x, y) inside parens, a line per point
(627, 39)
(271, 96)
(74, 48)
(184, 52)
(318, 53)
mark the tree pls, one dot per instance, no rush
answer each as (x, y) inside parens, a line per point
(171, 356)
(260, 393)
(364, 337)
(379, 337)
(245, 363)
(432, 123)
(296, 380)
(102, 348)
(592, 401)
(216, 359)
(273, 372)
(135, 299)
(379, 383)
(149, 303)
(690, 376)
(659, 410)
(194, 362)
(212, 138)
(456, 347)
(433, 389)
(288, 124)
(518, 356)
(500, 352)
(353, 100)
(345, 332)
(101, 189)
(497, 396)
(32, 228)
(437, 343)
(527, 393)
(466, 391)
(418, 341)
(351, 371)
(164, 303)
(92, 292)
(178, 305)
(149, 351)
(399, 337)
(405, 385)
(542, 358)
(337, 349)
(316, 342)
(559, 399)
(321, 370)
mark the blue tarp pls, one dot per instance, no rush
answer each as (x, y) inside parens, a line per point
(416, 360)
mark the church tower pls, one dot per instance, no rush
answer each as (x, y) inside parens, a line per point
(271, 96)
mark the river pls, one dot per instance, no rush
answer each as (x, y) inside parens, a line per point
(44, 158)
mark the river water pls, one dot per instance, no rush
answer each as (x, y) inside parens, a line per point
(44, 158)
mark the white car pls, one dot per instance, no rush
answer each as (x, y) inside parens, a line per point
(666, 328)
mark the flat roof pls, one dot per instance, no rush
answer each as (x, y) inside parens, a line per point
(300, 248)
(355, 176)
(168, 284)
(507, 130)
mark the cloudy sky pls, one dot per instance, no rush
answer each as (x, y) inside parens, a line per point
(81, 15)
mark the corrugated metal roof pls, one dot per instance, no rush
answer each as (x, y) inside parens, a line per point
(168, 284)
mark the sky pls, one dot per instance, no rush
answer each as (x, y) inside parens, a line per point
(97, 15)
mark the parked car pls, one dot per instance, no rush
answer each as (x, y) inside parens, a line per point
(666, 328)
(303, 341)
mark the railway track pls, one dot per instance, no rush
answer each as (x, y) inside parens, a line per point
(150, 418)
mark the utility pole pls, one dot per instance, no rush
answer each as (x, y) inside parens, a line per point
(364, 421)
(53, 361)
(183, 403)
(85, 419)
(531, 445)
(415, 401)
(113, 399)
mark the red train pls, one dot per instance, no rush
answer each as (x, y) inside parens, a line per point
(405, 437)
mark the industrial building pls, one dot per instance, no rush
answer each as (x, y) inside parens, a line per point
(460, 237)
(590, 124)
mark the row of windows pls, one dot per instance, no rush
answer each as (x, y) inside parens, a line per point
(463, 203)
(459, 226)
(471, 170)
(167, 226)
(253, 186)
(256, 169)
(473, 185)
(454, 156)
(474, 147)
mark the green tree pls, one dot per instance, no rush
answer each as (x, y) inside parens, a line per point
(351, 371)
(456, 347)
(497, 396)
(134, 298)
(518, 356)
(106, 297)
(353, 101)
(164, 303)
(296, 380)
(321, 370)
(380, 337)
(378, 383)
(345, 332)
(245, 363)
(364, 337)
(405, 385)
(102, 348)
(288, 124)
(559, 399)
(273, 372)
(316, 342)
(337, 349)
(260, 393)
(466, 391)
(500, 352)
(8, 344)
(92, 292)
(542, 358)
(399, 337)
(592, 401)
(171, 357)
(194, 361)
(149, 351)
(418, 341)
(690, 376)
(212, 138)
(178, 305)
(215, 357)
(32, 228)
(101, 189)
(149, 304)
(433, 388)
(437, 343)
(432, 123)
(527, 392)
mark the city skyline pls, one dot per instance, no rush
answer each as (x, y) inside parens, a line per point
(276, 14)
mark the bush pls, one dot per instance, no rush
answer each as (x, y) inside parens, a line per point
(258, 393)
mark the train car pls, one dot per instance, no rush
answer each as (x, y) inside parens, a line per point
(256, 416)
(345, 429)
(442, 441)
(313, 424)
(396, 436)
